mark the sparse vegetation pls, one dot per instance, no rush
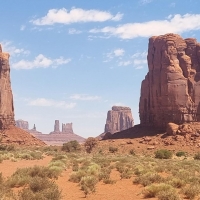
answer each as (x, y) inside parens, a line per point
(71, 146)
(163, 154)
(180, 153)
(113, 149)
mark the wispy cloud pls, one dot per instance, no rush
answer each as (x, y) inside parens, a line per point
(72, 31)
(175, 24)
(84, 97)
(125, 63)
(40, 62)
(115, 53)
(51, 103)
(75, 15)
(13, 50)
(143, 2)
(22, 28)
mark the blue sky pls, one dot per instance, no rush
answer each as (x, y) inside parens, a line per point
(74, 60)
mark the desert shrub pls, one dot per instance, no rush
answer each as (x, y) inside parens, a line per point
(4, 147)
(75, 167)
(126, 173)
(177, 183)
(88, 184)
(71, 146)
(109, 181)
(154, 190)
(148, 179)
(197, 156)
(191, 191)
(132, 152)
(163, 154)
(102, 161)
(180, 153)
(168, 195)
(40, 188)
(23, 176)
(104, 173)
(113, 149)
(29, 155)
(77, 176)
(89, 144)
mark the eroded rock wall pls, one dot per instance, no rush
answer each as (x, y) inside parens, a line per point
(170, 91)
(118, 119)
(6, 97)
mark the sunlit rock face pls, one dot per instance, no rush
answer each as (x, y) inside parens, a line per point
(6, 96)
(170, 91)
(118, 119)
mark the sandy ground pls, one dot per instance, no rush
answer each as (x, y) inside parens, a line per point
(122, 189)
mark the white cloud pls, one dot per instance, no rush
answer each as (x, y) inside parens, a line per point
(140, 55)
(13, 51)
(139, 62)
(40, 62)
(72, 31)
(119, 52)
(125, 63)
(51, 103)
(174, 24)
(84, 97)
(75, 15)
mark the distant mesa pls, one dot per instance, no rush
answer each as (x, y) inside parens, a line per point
(170, 91)
(55, 137)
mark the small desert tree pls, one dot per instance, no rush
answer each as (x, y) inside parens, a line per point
(89, 144)
(71, 146)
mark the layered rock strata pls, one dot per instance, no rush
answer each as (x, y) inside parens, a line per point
(118, 119)
(170, 91)
(6, 97)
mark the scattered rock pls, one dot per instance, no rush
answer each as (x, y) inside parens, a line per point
(150, 147)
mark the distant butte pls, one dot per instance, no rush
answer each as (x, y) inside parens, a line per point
(56, 137)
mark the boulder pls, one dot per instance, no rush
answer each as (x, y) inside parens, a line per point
(172, 128)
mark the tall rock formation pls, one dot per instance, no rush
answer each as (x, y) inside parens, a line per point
(22, 124)
(118, 119)
(57, 126)
(6, 97)
(170, 91)
(67, 128)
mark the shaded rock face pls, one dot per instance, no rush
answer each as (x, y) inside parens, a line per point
(170, 91)
(6, 97)
(22, 124)
(118, 119)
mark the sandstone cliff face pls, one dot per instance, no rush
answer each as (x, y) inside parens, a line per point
(118, 119)
(170, 91)
(6, 97)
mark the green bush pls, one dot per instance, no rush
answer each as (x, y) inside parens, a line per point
(113, 149)
(71, 146)
(163, 154)
(180, 153)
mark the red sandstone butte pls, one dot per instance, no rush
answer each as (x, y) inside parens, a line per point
(170, 91)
